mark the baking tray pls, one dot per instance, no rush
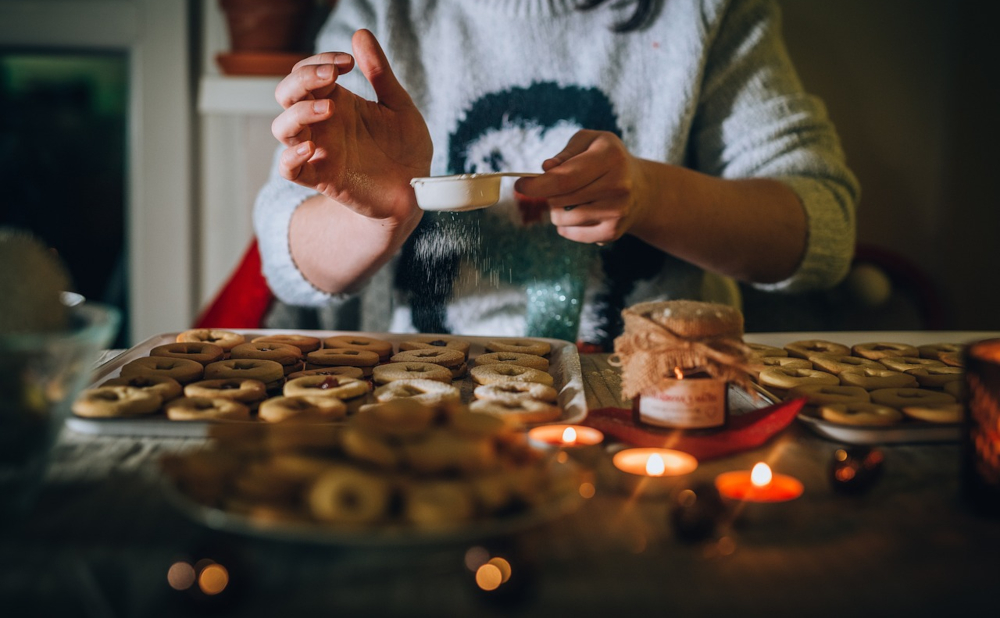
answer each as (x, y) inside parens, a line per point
(564, 365)
(905, 432)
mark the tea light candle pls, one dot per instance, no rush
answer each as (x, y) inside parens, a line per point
(758, 485)
(565, 436)
(654, 462)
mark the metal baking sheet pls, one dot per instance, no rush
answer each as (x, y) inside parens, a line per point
(564, 365)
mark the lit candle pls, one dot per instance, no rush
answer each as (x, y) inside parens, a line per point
(758, 485)
(565, 436)
(654, 462)
(690, 399)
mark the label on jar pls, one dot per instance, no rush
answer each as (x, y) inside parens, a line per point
(691, 403)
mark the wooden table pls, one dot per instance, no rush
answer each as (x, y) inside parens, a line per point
(102, 537)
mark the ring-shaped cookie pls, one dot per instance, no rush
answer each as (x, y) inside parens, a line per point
(524, 346)
(935, 350)
(398, 418)
(286, 355)
(166, 388)
(788, 362)
(351, 357)
(439, 451)
(271, 373)
(937, 413)
(871, 379)
(952, 359)
(509, 389)
(836, 364)
(502, 372)
(762, 350)
(206, 409)
(383, 349)
(430, 392)
(863, 413)
(226, 339)
(936, 377)
(514, 358)
(244, 390)
(905, 363)
(439, 356)
(822, 394)
(180, 369)
(899, 398)
(198, 351)
(878, 350)
(383, 374)
(302, 409)
(425, 342)
(348, 495)
(781, 379)
(517, 410)
(338, 387)
(333, 370)
(807, 348)
(116, 401)
(305, 343)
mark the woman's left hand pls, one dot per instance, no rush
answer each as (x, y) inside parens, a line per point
(594, 188)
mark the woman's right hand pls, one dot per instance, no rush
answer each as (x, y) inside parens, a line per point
(357, 152)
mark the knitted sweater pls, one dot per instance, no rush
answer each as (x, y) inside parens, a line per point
(503, 84)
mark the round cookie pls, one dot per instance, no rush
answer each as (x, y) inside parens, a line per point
(788, 362)
(380, 347)
(807, 348)
(439, 451)
(302, 409)
(166, 388)
(198, 351)
(518, 410)
(936, 350)
(206, 409)
(511, 389)
(523, 346)
(430, 392)
(822, 394)
(116, 401)
(937, 413)
(762, 350)
(863, 413)
(514, 358)
(398, 419)
(348, 495)
(837, 364)
(780, 380)
(271, 373)
(249, 392)
(871, 379)
(880, 349)
(326, 386)
(333, 370)
(900, 398)
(905, 363)
(450, 343)
(226, 339)
(502, 372)
(180, 369)
(365, 360)
(305, 343)
(383, 374)
(936, 377)
(286, 355)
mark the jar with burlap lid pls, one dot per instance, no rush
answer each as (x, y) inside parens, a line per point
(680, 356)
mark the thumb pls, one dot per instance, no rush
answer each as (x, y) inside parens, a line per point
(577, 144)
(375, 67)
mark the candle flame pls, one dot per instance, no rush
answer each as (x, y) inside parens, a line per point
(760, 475)
(569, 436)
(655, 465)
(678, 373)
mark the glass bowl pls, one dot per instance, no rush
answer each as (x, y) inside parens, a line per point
(40, 376)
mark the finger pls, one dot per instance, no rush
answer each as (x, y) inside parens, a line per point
(293, 125)
(578, 144)
(375, 66)
(600, 233)
(292, 160)
(312, 78)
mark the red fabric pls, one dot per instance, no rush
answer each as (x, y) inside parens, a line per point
(244, 298)
(742, 433)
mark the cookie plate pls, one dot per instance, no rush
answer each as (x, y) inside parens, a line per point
(564, 365)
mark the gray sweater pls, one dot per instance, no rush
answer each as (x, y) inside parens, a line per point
(503, 84)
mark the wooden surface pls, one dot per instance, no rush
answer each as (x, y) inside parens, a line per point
(102, 536)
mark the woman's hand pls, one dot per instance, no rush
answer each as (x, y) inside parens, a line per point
(595, 188)
(359, 153)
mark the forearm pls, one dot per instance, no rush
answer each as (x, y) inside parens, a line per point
(337, 250)
(750, 229)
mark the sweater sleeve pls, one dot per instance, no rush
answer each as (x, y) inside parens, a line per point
(755, 120)
(278, 198)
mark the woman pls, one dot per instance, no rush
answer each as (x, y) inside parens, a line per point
(682, 145)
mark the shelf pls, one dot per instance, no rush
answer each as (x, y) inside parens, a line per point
(222, 94)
